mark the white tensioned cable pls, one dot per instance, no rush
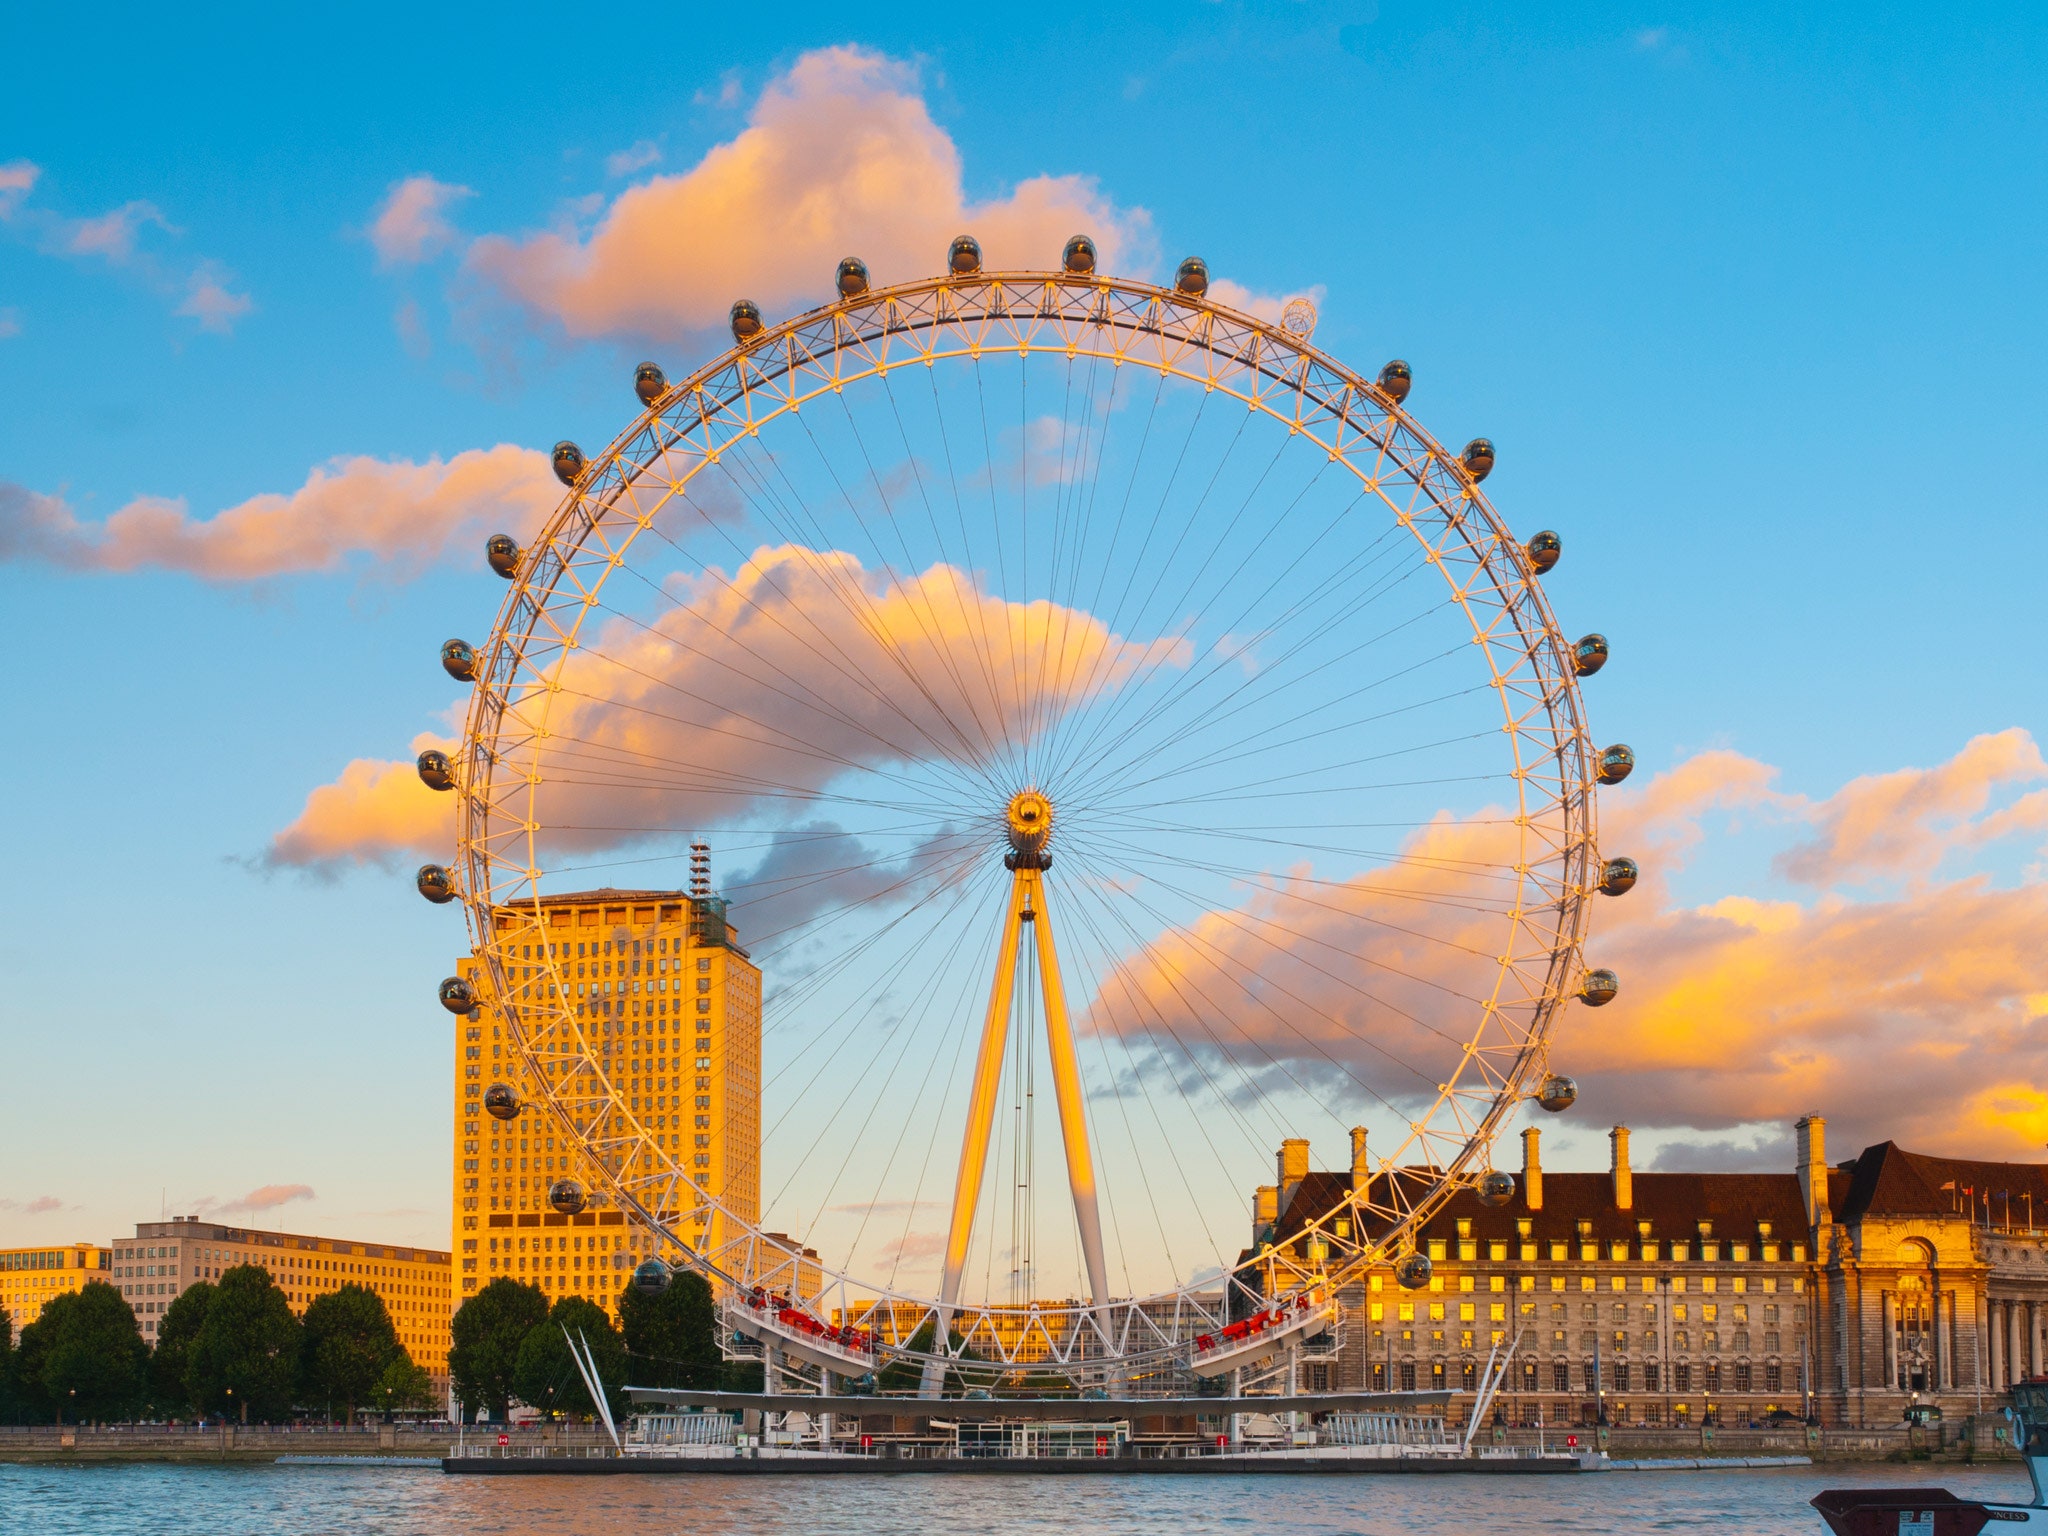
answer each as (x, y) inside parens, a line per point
(729, 401)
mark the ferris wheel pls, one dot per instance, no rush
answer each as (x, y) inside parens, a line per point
(1141, 745)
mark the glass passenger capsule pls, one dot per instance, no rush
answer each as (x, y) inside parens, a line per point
(1478, 458)
(1412, 1272)
(458, 660)
(566, 1196)
(1616, 763)
(457, 995)
(1589, 655)
(649, 383)
(1618, 877)
(1496, 1187)
(1079, 256)
(745, 320)
(963, 256)
(1545, 550)
(1193, 277)
(1599, 988)
(1558, 1093)
(1396, 380)
(652, 1278)
(436, 772)
(852, 278)
(501, 551)
(568, 461)
(435, 883)
(500, 1102)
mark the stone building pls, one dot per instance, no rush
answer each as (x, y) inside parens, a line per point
(1845, 1293)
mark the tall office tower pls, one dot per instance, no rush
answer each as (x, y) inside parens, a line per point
(660, 984)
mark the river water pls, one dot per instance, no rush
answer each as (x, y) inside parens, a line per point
(296, 1501)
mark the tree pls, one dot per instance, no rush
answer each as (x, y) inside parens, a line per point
(245, 1360)
(349, 1344)
(403, 1387)
(10, 1407)
(487, 1331)
(175, 1332)
(671, 1335)
(545, 1376)
(94, 1364)
(902, 1376)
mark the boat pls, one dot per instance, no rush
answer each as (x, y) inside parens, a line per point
(1936, 1511)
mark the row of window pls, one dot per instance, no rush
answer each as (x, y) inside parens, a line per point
(1589, 1376)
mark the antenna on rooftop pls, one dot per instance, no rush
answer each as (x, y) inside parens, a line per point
(700, 870)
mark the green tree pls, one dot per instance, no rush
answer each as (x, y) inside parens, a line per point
(545, 1376)
(171, 1361)
(10, 1407)
(403, 1388)
(671, 1335)
(245, 1360)
(94, 1365)
(349, 1343)
(487, 1331)
(902, 1376)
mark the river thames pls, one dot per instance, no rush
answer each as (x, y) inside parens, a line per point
(293, 1501)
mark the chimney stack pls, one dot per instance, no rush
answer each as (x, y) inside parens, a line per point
(1265, 1211)
(1624, 1181)
(1532, 1169)
(1813, 1169)
(1293, 1168)
(1361, 1164)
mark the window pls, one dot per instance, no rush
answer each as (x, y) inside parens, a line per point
(1681, 1377)
(1561, 1375)
(1649, 1379)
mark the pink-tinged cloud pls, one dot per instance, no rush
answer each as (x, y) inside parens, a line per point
(112, 234)
(270, 1196)
(210, 301)
(374, 813)
(840, 157)
(1905, 823)
(41, 1205)
(1919, 1013)
(393, 515)
(759, 680)
(412, 223)
(18, 178)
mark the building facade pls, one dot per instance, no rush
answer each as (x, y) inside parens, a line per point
(30, 1277)
(164, 1258)
(673, 1006)
(1846, 1294)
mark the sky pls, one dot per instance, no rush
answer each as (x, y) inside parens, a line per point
(290, 312)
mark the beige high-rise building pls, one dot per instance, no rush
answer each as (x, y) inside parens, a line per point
(661, 983)
(164, 1258)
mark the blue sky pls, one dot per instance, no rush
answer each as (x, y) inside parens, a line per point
(1747, 299)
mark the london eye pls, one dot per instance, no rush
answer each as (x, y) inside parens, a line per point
(1136, 742)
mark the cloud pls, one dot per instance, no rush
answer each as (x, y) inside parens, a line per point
(635, 157)
(1916, 1010)
(412, 224)
(40, 1205)
(115, 237)
(1263, 306)
(840, 157)
(212, 303)
(18, 178)
(270, 1196)
(395, 514)
(10, 322)
(373, 813)
(112, 235)
(749, 696)
(1906, 822)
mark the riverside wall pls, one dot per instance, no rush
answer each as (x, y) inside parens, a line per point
(1973, 1438)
